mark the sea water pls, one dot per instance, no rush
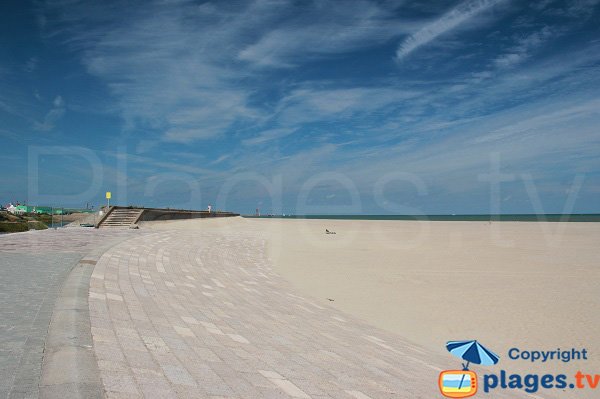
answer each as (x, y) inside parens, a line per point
(591, 217)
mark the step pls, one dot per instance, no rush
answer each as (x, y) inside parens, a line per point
(121, 218)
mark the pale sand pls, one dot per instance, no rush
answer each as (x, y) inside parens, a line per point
(534, 286)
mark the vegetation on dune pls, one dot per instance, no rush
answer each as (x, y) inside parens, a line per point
(36, 225)
(44, 218)
(13, 227)
(16, 223)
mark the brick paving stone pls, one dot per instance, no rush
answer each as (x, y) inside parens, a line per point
(33, 266)
(198, 314)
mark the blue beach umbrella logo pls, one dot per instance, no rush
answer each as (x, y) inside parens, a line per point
(472, 352)
(463, 383)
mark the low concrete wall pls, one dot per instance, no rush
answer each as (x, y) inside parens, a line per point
(151, 215)
(156, 214)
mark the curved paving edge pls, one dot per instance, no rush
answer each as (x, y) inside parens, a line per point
(70, 368)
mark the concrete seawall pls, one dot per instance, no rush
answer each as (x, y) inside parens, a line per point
(150, 215)
(128, 217)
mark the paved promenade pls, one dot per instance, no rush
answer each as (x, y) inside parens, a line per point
(192, 314)
(33, 266)
(186, 314)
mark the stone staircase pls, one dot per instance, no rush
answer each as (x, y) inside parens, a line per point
(121, 218)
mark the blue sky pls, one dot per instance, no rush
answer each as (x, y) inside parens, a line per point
(307, 107)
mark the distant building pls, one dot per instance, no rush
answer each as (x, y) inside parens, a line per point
(20, 209)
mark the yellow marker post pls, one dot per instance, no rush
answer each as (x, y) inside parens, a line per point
(108, 195)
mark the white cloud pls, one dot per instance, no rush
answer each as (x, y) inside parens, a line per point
(565, 117)
(180, 72)
(53, 116)
(168, 64)
(312, 104)
(221, 159)
(541, 140)
(160, 164)
(269, 135)
(448, 146)
(448, 22)
(524, 47)
(322, 29)
(535, 142)
(31, 64)
(58, 102)
(578, 8)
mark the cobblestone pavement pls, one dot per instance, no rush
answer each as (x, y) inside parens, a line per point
(192, 314)
(33, 266)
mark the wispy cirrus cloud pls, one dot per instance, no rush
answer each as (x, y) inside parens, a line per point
(180, 71)
(166, 64)
(221, 159)
(269, 135)
(290, 90)
(579, 9)
(323, 29)
(316, 103)
(53, 116)
(524, 46)
(453, 19)
(31, 64)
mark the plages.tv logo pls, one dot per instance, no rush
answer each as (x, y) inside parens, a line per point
(463, 383)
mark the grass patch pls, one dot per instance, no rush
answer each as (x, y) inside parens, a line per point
(17, 223)
(35, 225)
(47, 219)
(13, 227)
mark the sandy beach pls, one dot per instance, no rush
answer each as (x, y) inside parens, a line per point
(533, 286)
